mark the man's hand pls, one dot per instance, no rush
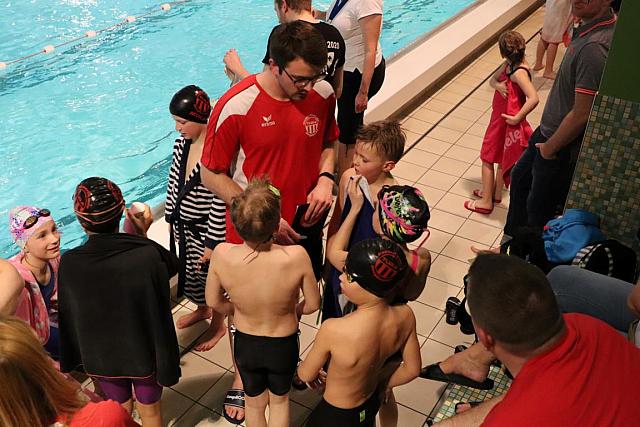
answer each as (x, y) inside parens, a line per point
(501, 87)
(546, 152)
(511, 120)
(319, 200)
(285, 234)
(141, 221)
(362, 99)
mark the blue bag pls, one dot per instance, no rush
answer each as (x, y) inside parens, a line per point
(563, 237)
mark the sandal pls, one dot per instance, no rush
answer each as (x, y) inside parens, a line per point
(471, 205)
(477, 194)
(471, 403)
(434, 372)
(235, 398)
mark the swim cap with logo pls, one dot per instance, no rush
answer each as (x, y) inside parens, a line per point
(98, 205)
(403, 213)
(377, 265)
(191, 103)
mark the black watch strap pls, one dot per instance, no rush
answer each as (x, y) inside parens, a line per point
(328, 175)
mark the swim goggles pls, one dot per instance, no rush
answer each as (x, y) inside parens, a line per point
(33, 219)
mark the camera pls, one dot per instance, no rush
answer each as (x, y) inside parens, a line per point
(456, 313)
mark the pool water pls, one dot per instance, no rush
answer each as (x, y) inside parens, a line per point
(100, 107)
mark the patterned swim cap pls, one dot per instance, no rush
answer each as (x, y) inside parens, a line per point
(24, 221)
(403, 212)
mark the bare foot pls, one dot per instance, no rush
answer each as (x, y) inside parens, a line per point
(476, 250)
(201, 313)
(212, 335)
(233, 411)
(549, 75)
(538, 67)
(470, 363)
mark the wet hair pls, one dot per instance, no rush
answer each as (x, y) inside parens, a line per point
(296, 5)
(512, 46)
(33, 393)
(298, 39)
(513, 302)
(386, 137)
(255, 213)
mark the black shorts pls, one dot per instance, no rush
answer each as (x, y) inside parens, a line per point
(364, 415)
(266, 362)
(349, 121)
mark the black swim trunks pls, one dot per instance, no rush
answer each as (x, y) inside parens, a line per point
(266, 362)
(364, 415)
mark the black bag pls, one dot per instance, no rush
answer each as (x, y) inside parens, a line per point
(610, 258)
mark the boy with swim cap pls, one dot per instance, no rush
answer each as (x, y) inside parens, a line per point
(115, 313)
(263, 300)
(377, 334)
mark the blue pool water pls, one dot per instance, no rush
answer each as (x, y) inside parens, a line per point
(100, 107)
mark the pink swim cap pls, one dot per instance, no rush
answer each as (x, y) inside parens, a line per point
(24, 221)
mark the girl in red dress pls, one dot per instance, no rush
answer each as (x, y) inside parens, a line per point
(508, 132)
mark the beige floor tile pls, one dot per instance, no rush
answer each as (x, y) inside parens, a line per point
(311, 320)
(460, 87)
(420, 394)
(445, 221)
(407, 417)
(433, 145)
(427, 115)
(477, 102)
(408, 171)
(420, 158)
(449, 96)
(467, 80)
(460, 249)
(479, 232)
(473, 142)
(437, 240)
(402, 181)
(411, 138)
(444, 134)
(467, 113)
(450, 166)
(201, 416)
(426, 317)
(450, 335)
(220, 354)
(416, 126)
(449, 270)
(477, 72)
(464, 188)
(173, 405)
(496, 218)
(432, 195)
(477, 129)
(474, 173)
(464, 154)
(198, 375)
(456, 123)
(490, 67)
(188, 335)
(438, 105)
(307, 335)
(453, 204)
(437, 179)
(308, 398)
(436, 293)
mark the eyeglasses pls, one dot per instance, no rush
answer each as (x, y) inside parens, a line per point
(33, 219)
(302, 82)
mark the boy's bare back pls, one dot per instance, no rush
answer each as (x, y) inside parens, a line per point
(263, 286)
(360, 345)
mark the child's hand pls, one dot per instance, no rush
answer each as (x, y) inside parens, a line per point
(355, 192)
(502, 88)
(203, 261)
(511, 120)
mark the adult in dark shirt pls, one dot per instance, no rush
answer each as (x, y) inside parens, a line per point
(294, 10)
(540, 180)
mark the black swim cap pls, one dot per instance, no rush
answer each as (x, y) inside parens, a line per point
(378, 265)
(191, 103)
(98, 204)
(403, 213)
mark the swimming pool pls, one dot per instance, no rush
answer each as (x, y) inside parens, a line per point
(100, 106)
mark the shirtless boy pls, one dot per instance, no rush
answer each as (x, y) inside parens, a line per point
(378, 335)
(264, 302)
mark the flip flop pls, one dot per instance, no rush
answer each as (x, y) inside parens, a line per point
(484, 211)
(234, 395)
(477, 194)
(434, 372)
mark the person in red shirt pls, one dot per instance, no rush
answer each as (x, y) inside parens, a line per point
(568, 369)
(279, 125)
(33, 393)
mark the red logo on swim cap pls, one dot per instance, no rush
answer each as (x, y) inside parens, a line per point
(387, 266)
(81, 199)
(202, 104)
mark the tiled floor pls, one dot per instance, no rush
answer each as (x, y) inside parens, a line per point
(445, 165)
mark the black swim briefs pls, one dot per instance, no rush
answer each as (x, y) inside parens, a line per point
(364, 415)
(266, 362)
